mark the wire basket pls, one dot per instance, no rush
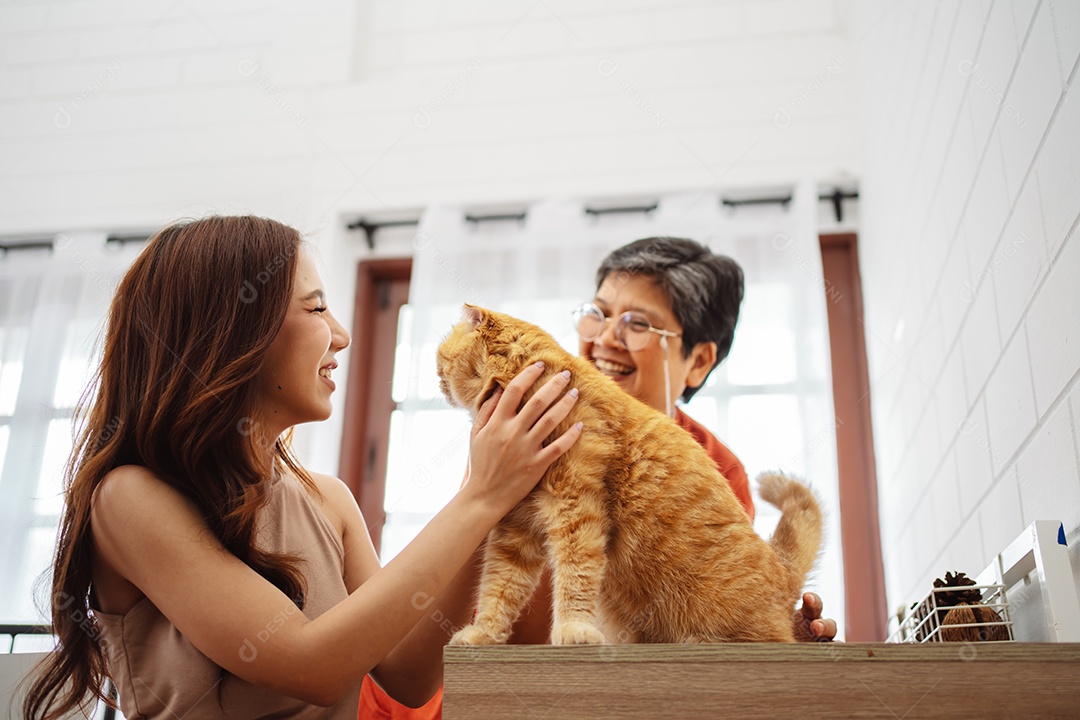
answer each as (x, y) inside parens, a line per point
(925, 624)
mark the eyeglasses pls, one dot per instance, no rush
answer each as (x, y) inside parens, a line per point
(632, 330)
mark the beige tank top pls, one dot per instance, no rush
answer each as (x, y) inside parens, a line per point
(160, 675)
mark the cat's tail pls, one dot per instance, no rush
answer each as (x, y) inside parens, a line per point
(797, 539)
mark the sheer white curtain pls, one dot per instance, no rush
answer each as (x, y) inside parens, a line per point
(53, 303)
(770, 402)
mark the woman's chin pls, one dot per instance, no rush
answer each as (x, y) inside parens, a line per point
(317, 414)
(626, 382)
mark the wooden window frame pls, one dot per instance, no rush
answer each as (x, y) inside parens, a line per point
(864, 574)
(366, 429)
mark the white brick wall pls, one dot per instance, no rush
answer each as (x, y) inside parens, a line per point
(972, 191)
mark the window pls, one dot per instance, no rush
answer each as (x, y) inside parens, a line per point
(53, 303)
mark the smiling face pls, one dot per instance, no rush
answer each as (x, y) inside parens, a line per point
(295, 383)
(641, 373)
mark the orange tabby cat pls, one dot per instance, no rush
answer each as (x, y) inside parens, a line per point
(645, 537)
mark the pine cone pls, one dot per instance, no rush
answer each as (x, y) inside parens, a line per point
(970, 596)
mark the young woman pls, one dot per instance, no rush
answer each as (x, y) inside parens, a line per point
(199, 565)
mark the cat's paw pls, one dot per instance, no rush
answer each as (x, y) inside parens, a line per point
(473, 635)
(576, 633)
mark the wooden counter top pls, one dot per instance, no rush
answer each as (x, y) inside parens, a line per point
(811, 680)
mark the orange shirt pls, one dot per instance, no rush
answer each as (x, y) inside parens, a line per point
(377, 705)
(726, 462)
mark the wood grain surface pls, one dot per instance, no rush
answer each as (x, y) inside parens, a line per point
(805, 680)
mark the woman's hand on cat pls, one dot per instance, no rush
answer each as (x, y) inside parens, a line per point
(507, 454)
(809, 615)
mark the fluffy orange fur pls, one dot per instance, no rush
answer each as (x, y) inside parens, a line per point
(646, 540)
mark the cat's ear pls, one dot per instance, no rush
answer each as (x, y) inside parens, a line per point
(473, 315)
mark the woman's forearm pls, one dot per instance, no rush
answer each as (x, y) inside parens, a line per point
(432, 573)
(413, 671)
(508, 458)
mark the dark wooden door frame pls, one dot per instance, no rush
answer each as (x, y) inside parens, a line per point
(366, 427)
(864, 575)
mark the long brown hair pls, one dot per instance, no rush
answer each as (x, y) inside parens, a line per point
(187, 332)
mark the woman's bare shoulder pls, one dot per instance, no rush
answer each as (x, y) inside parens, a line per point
(340, 507)
(328, 484)
(121, 501)
(337, 502)
(126, 488)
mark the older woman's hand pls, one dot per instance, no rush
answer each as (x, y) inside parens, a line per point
(808, 624)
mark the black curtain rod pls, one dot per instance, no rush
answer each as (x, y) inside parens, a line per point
(50, 243)
(369, 228)
(10, 245)
(475, 219)
(836, 197)
(596, 212)
(125, 238)
(784, 200)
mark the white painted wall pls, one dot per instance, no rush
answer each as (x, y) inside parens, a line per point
(125, 114)
(119, 114)
(971, 262)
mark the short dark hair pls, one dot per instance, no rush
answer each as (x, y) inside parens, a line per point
(705, 289)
